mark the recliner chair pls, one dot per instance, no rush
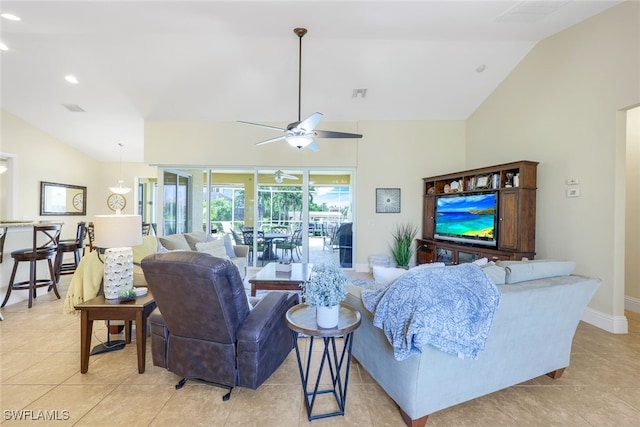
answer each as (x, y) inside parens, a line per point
(206, 330)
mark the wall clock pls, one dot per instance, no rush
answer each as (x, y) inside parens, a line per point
(387, 200)
(78, 201)
(116, 202)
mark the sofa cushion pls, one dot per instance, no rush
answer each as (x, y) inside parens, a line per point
(215, 248)
(197, 237)
(175, 242)
(521, 271)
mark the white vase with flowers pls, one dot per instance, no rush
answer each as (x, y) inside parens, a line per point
(324, 290)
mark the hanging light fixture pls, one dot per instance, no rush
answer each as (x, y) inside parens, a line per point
(119, 188)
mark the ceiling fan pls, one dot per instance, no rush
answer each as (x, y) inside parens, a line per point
(301, 133)
(279, 176)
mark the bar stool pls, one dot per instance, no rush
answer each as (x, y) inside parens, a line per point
(70, 245)
(3, 235)
(91, 233)
(49, 235)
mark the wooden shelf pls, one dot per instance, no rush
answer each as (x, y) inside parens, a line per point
(515, 186)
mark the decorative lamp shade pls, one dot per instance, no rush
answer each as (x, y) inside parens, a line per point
(116, 231)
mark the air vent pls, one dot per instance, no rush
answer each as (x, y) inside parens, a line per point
(530, 11)
(74, 108)
(359, 93)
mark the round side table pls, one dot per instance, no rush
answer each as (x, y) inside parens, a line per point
(302, 319)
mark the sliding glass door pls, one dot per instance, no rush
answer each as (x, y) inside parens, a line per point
(302, 215)
(176, 203)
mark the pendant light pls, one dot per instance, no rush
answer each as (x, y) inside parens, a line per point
(119, 188)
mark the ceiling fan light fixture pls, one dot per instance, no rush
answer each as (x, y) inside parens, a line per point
(299, 141)
(278, 179)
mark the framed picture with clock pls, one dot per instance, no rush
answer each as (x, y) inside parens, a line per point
(116, 202)
(62, 199)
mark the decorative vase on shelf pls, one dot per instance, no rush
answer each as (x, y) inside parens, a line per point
(327, 317)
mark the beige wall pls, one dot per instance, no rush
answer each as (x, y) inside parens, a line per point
(632, 253)
(394, 154)
(560, 107)
(41, 157)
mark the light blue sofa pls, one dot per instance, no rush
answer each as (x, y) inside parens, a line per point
(531, 335)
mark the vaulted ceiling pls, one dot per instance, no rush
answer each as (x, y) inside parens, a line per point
(238, 60)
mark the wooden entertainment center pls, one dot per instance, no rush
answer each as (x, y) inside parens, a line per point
(515, 187)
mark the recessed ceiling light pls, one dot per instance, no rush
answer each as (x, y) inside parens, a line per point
(71, 79)
(3, 46)
(10, 16)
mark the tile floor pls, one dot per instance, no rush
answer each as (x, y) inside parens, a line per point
(40, 371)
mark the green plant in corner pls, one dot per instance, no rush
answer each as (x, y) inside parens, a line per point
(402, 248)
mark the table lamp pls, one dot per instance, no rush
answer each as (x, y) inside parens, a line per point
(115, 234)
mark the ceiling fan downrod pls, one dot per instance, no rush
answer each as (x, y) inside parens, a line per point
(300, 32)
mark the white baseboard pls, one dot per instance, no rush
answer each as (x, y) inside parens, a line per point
(363, 268)
(613, 324)
(632, 304)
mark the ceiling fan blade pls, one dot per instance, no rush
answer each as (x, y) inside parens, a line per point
(287, 176)
(262, 126)
(277, 138)
(310, 122)
(313, 146)
(332, 134)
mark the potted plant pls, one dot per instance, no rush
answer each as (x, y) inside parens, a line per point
(402, 248)
(324, 290)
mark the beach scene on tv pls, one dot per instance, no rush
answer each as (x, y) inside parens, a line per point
(470, 216)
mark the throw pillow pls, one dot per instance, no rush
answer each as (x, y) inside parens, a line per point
(175, 242)
(385, 275)
(228, 246)
(496, 273)
(148, 246)
(215, 248)
(197, 237)
(522, 271)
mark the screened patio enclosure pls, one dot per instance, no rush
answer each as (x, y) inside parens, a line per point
(306, 215)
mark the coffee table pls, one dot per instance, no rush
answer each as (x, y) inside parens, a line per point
(270, 279)
(99, 308)
(302, 319)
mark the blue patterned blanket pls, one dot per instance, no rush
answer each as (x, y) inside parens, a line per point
(450, 308)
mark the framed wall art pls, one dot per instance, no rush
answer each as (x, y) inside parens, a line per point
(483, 181)
(62, 199)
(387, 200)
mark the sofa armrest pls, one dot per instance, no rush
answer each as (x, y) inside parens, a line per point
(267, 316)
(242, 251)
(264, 340)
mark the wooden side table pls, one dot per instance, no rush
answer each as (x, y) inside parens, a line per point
(302, 319)
(100, 308)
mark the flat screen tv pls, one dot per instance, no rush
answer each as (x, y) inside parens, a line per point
(467, 218)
